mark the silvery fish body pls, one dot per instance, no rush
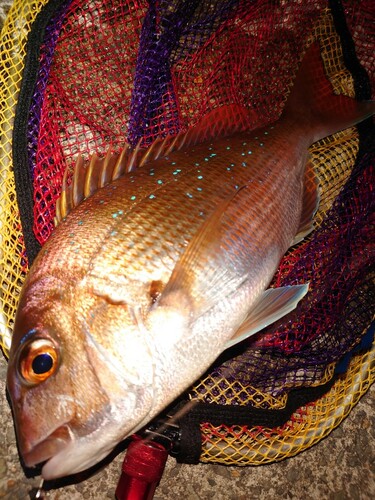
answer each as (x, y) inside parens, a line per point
(148, 280)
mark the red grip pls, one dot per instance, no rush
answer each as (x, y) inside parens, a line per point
(142, 470)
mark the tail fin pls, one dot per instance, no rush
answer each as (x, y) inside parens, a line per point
(313, 102)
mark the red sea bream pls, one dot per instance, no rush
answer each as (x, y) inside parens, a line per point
(147, 280)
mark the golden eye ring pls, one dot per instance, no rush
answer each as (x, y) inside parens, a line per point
(38, 360)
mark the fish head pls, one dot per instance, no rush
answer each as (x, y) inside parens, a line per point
(80, 375)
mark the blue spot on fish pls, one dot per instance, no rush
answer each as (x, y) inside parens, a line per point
(28, 334)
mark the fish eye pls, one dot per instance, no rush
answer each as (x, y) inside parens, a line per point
(38, 360)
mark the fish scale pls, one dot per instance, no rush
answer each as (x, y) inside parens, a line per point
(204, 176)
(177, 212)
(151, 277)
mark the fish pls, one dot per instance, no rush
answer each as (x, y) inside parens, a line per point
(159, 262)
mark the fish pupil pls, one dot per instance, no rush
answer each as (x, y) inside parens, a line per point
(42, 363)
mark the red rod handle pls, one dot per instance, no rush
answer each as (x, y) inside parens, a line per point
(142, 470)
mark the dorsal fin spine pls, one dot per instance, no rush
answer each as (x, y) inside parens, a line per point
(146, 157)
(61, 204)
(101, 171)
(89, 177)
(104, 171)
(172, 144)
(132, 160)
(119, 167)
(162, 148)
(77, 182)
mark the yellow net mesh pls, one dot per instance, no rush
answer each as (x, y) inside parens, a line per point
(12, 263)
(333, 159)
(308, 425)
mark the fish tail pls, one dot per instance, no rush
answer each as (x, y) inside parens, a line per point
(313, 104)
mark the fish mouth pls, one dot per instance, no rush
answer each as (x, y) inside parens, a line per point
(57, 441)
(83, 452)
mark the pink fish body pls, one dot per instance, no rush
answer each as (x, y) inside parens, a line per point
(150, 278)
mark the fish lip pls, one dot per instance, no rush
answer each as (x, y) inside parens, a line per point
(57, 441)
(84, 452)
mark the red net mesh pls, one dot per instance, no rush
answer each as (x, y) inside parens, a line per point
(113, 82)
(119, 72)
(360, 20)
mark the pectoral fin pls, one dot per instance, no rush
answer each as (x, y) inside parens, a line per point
(203, 247)
(272, 305)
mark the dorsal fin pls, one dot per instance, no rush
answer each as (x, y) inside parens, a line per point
(87, 179)
(101, 171)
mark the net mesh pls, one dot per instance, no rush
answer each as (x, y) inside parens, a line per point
(13, 261)
(243, 445)
(118, 72)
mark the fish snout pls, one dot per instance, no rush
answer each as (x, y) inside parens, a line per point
(34, 454)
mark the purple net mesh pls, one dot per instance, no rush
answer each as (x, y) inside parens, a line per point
(118, 72)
